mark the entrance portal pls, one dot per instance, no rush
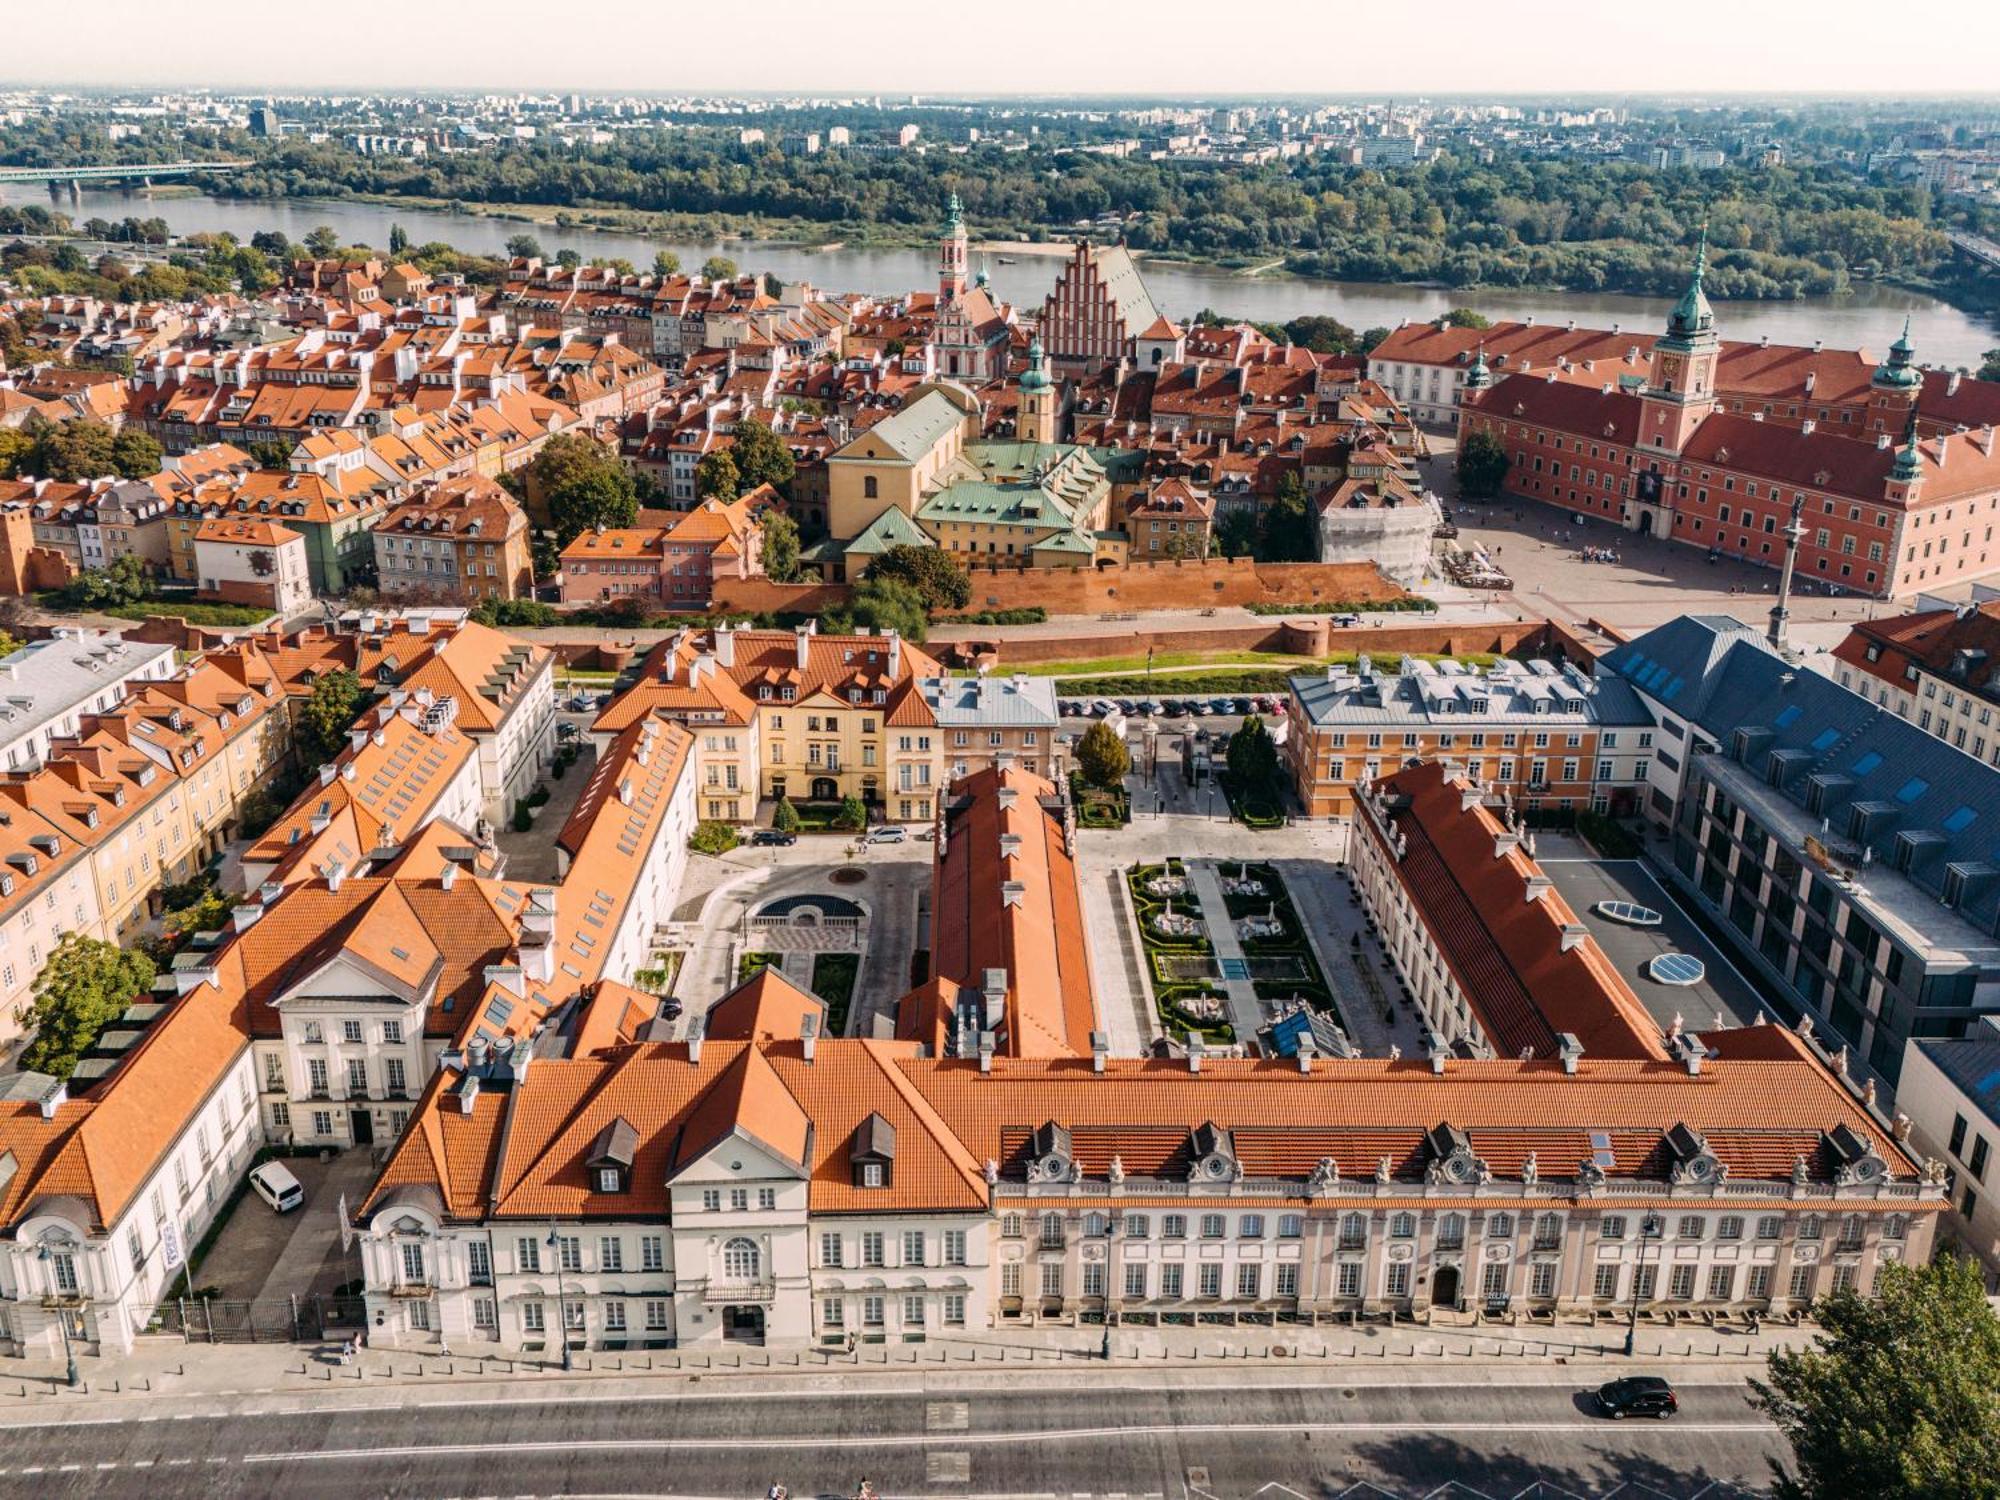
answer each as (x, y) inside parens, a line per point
(743, 1324)
(825, 789)
(1444, 1287)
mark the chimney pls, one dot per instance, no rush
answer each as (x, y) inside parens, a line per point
(808, 1036)
(725, 646)
(1573, 934)
(327, 773)
(694, 1039)
(1307, 1049)
(54, 1099)
(986, 1052)
(803, 643)
(1100, 1048)
(1538, 886)
(1693, 1053)
(335, 872)
(270, 891)
(468, 1093)
(1505, 843)
(1436, 1046)
(246, 915)
(448, 876)
(1195, 1049)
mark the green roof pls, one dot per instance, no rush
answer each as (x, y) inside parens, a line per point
(918, 427)
(890, 529)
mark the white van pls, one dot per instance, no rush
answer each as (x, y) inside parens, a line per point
(277, 1186)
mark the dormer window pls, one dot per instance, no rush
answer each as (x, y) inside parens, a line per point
(872, 1158)
(609, 1160)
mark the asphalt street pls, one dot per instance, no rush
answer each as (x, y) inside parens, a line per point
(1109, 1437)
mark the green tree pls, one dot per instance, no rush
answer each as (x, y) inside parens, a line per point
(880, 604)
(205, 913)
(933, 572)
(1102, 757)
(781, 547)
(716, 477)
(1289, 532)
(853, 813)
(1990, 369)
(1481, 465)
(120, 583)
(329, 713)
(761, 457)
(785, 817)
(323, 241)
(666, 263)
(399, 241)
(583, 484)
(1465, 317)
(524, 247)
(135, 454)
(719, 268)
(1322, 335)
(84, 987)
(17, 449)
(712, 836)
(1900, 1394)
(1253, 756)
(1236, 535)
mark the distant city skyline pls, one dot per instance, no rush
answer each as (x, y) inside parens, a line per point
(1029, 47)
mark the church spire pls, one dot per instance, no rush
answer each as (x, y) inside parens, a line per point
(1909, 463)
(1899, 371)
(1692, 317)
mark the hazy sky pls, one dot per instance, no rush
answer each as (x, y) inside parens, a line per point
(1017, 46)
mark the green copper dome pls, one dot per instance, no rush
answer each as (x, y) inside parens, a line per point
(1035, 377)
(1692, 316)
(1899, 371)
(1908, 465)
(1479, 377)
(954, 213)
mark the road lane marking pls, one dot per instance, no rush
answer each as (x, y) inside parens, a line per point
(902, 1440)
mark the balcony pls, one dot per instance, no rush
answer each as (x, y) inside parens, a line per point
(413, 1289)
(739, 1291)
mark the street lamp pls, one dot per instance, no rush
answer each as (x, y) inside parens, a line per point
(62, 1321)
(1650, 1228)
(562, 1306)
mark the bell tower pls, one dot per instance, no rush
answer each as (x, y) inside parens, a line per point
(1894, 387)
(1035, 421)
(952, 253)
(1681, 390)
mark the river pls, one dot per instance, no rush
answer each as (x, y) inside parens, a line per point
(1867, 319)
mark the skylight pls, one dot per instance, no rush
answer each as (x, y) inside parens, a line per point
(1868, 763)
(1960, 820)
(1912, 789)
(1825, 739)
(1789, 717)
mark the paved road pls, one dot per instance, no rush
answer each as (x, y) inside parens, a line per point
(1113, 1436)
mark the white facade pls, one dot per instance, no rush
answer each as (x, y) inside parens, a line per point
(1397, 538)
(1949, 1124)
(276, 567)
(46, 687)
(105, 1284)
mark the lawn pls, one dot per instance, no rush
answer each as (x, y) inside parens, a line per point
(833, 980)
(1177, 969)
(1180, 672)
(748, 966)
(194, 611)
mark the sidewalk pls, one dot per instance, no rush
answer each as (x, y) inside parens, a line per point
(168, 1370)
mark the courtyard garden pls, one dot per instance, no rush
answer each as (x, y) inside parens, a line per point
(1181, 968)
(1275, 946)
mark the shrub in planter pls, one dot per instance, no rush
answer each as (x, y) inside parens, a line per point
(523, 818)
(713, 837)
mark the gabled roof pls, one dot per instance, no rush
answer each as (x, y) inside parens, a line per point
(749, 1100)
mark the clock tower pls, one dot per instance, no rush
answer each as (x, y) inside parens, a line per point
(1681, 390)
(952, 254)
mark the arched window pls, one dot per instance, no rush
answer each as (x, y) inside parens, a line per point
(1895, 1227)
(739, 1259)
(1403, 1226)
(1353, 1231)
(1499, 1226)
(868, 487)
(1451, 1231)
(1093, 1224)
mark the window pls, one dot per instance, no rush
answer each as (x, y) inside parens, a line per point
(1403, 1226)
(740, 1259)
(1493, 1281)
(711, 1200)
(1451, 1232)
(1801, 1284)
(1721, 1283)
(954, 1247)
(1213, 1226)
(872, 1311)
(573, 1316)
(913, 1310)
(652, 1252)
(1173, 1227)
(1353, 1231)
(479, 1263)
(1604, 1284)
(1135, 1278)
(1251, 1226)
(569, 1252)
(1209, 1280)
(350, 1031)
(1542, 1279)
(1136, 1226)
(767, 1199)
(1729, 1227)
(614, 1317)
(1770, 1226)
(483, 1314)
(1052, 1231)
(357, 1076)
(1052, 1280)
(1011, 1226)
(871, 1248)
(1957, 1146)
(831, 1312)
(1500, 1226)
(1976, 1163)
(656, 1316)
(531, 1317)
(913, 1247)
(527, 1254)
(1691, 1226)
(1680, 1285)
(739, 1200)
(392, 1032)
(1171, 1281)
(1250, 1280)
(1288, 1279)
(1760, 1283)
(954, 1309)
(610, 1253)
(829, 1250)
(1291, 1226)
(1397, 1282)
(607, 1179)
(1809, 1227)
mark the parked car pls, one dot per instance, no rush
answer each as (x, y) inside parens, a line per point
(1262, 702)
(580, 703)
(670, 1008)
(1154, 707)
(275, 1184)
(1126, 706)
(1346, 621)
(1218, 705)
(567, 731)
(1242, 706)
(1637, 1396)
(776, 837)
(1102, 707)
(888, 833)
(1278, 709)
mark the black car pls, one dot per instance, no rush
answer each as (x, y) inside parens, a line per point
(777, 836)
(1637, 1396)
(670, 1009)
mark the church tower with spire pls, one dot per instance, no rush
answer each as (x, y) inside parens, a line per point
(952, 249)
(1035, 420)
(1680, 393)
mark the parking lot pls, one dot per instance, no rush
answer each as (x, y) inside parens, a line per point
(1723, 997)
(264, 1254)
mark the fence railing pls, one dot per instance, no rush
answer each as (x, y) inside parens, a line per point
(269, 1320)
